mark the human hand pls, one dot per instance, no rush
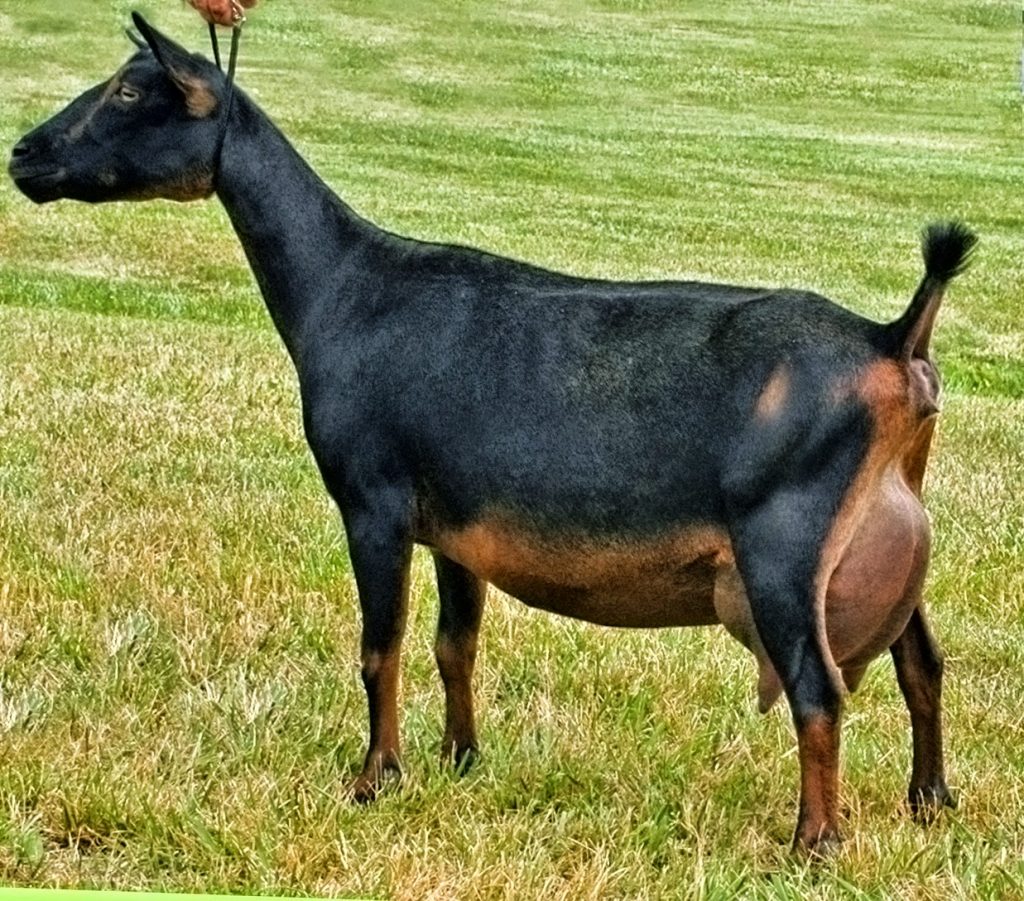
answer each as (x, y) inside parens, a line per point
(222, 12)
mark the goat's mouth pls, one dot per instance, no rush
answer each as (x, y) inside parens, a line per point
(36, 183)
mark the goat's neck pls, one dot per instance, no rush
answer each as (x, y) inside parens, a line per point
(300, 239)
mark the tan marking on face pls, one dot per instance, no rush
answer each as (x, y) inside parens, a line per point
(774, 394)
(665, 580)
(200, 101)
(196, 185)
(76, 131)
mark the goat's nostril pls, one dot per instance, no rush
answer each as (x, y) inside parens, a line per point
(21, 150)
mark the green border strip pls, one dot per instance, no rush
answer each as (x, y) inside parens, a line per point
(45, 894)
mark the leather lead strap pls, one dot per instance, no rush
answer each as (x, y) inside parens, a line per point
(216, 46)
(236, 36)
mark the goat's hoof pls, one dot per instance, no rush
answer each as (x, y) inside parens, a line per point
(926, 802)
(374, 778)
(460, 759)
(818, 844)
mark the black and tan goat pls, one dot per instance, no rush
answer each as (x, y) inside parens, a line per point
(633, 454)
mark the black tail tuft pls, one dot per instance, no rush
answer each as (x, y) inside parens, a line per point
(946, 247)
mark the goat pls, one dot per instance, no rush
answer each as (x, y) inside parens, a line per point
(631, 454)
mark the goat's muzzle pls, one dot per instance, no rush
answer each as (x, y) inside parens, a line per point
(36, 177)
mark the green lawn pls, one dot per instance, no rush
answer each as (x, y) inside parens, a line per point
(180, 706)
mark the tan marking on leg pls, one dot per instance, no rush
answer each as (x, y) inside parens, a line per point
(919, 666)
(818, 741)
(381, 678)
(774, 394)
(382, 672)
(455, 660)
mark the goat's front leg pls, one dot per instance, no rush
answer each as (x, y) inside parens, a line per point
(778, 553)
(919, 672)
(462, 602)
(380, 547)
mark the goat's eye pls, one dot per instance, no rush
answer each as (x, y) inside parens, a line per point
(128, 94)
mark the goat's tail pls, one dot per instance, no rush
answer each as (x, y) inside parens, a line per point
(946, 248)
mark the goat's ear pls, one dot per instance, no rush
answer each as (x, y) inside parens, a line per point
(168, 53)
(136, 38)
(182, 67)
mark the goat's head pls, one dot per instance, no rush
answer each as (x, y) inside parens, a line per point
(152, 130)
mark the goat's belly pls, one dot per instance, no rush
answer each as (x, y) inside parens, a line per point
(683, 596)
(632, 582)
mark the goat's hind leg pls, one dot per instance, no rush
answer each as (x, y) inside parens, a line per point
(380, 549)
(790, 487)
(461, 607)
(788, 534)
(779, 567)
(919, 673)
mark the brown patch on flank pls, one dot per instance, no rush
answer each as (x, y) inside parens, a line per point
(665, 580)
(774, 394)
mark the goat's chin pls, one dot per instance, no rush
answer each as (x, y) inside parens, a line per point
(57, 184)
(48, 189)
(43, 188)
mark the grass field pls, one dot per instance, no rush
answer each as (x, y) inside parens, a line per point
(180, 705)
